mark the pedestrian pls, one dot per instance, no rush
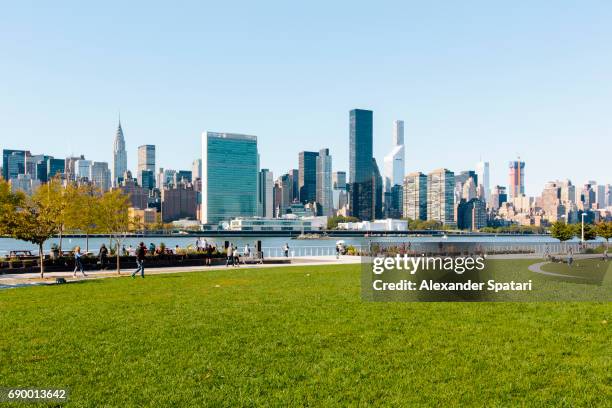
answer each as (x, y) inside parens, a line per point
(236, 257)
(78, 262)
(229, 255)
(103, 254)
(151, 248)
(337, 251)
(141, 251)
(176, 249)
(286, 250)
(247, 251)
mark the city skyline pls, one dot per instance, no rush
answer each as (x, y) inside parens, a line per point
(470, 81)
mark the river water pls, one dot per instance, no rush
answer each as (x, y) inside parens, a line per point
(276, 243)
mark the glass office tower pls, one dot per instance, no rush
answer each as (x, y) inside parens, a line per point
(362, 189)
(229, 176)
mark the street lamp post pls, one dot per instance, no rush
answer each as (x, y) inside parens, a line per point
(582, 237)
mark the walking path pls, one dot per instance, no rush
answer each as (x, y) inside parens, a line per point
(17, 280)
(537, 267)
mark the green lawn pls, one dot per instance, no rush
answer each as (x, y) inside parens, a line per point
(297, 336)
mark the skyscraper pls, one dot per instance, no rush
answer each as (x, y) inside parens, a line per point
(482, 171)
(308, 176)
(100, 175)
(265, 193)
(394, 161)
(516, 178)
(440, 198)
(119, 156)
(6, 154)
(146, 162)
(324, 183)
(415, 196)
(361, 175)
(196, 169)
(229, 176)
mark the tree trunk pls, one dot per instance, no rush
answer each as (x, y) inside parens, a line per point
(41, 256)
(118, 260)
(61, 235)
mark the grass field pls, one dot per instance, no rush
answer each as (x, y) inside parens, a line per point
(298, 336)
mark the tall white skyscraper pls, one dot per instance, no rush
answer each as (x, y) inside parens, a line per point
(196, 169)
(394, 161)
(324, 182)
(482, 171)
(119, 155)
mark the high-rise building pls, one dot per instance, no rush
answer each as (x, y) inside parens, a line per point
(146, 162)
(265, 195)
(100, 175)
(482, 171)
(81, 169)
(307, 176)
(286, 187)
(70, 168)
(119, 156)
(600, 195)
(15, 163)
(146, 179)
(362, 189)
(324, 194)
(229, 176)
(394, 161)
(6, 154)
(178, 202)
(196, 169)
(568, 192)
(516, 178)
(551, 201)
(498, 197)
(182, 177)
(55, 167)
(415, 196)
(471, 214)
(440, 198)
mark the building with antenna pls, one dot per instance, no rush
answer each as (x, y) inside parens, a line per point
(119, 156)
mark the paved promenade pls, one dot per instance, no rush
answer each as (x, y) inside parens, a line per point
(27, 279)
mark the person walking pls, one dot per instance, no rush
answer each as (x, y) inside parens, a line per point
(337, 251)
(103, 254)
(286, 249)
(78, 262)
(247, 251)
(141, 251)
(236, 257)
(151, 248)
(229, 255)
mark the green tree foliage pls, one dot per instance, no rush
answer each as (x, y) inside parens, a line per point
(604, 230)
(38, 217)
(590, 231)
(332, 222)
(9, 203)
(113, 218)
(562, 231)
(424, 224)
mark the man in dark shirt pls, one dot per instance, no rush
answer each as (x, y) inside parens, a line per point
(141, 251)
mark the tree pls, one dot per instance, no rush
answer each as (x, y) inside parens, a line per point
(561, 231)
(590, 232)
(113, 218)
(332, 222)
(9, 203)
(38, 217)
(604, 230)
(82, 212)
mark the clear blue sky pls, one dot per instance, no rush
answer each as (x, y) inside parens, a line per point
(470, 79)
